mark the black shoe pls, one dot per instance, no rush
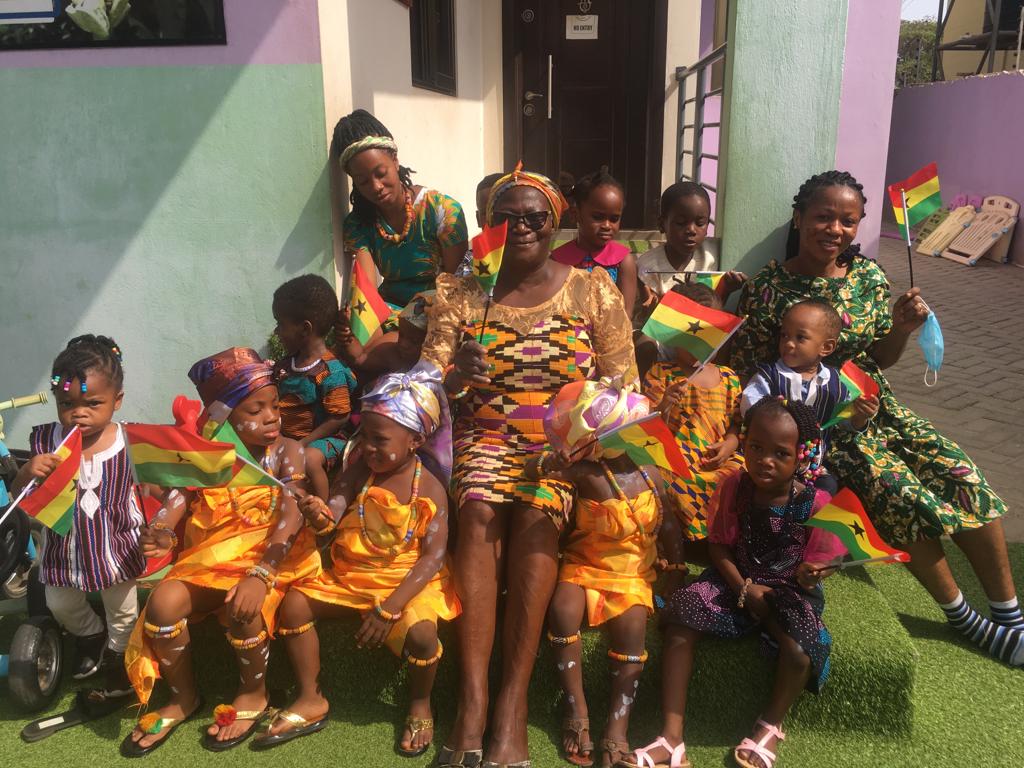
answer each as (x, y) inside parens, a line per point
(115, 675)
(88, 655)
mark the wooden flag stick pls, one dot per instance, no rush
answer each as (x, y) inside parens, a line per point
(906, 233)
(483, 323)
(842, 566)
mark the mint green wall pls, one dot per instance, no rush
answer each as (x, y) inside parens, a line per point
(784, 69)
(159, 205)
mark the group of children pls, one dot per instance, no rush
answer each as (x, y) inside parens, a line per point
(251, 555)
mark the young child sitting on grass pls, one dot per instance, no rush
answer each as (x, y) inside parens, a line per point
(315, 387)
(389, 522)
(766, 569)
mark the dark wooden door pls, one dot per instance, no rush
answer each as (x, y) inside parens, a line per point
(578, 98)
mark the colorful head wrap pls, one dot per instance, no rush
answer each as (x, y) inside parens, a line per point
(365, 143)
(584, 409)
(415, 311)
(521, 178)
(417, 401)
(225, 379)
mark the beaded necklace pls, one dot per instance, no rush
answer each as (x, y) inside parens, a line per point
(398, 236)
(395, 550)
(265, 463)
(622, 495)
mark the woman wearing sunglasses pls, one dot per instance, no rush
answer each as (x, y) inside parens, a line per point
(548, 325)
(409, 233)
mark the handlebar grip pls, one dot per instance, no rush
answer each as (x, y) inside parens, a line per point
(21, 402)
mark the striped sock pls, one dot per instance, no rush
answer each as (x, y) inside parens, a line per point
(1005, 643)
(1008, 613)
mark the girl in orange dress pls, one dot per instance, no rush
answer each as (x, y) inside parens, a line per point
(608, 562)
(389, 515)
(242, 547)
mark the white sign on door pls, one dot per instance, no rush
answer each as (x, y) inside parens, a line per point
(581, 27)
(28, 11)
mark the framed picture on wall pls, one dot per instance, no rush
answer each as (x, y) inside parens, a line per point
(26, 24)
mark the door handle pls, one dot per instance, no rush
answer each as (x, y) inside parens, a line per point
(531, 95)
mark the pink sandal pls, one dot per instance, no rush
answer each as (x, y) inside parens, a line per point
(677, 756)
(758, 747)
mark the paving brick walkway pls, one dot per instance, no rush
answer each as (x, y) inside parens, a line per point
(979, 400)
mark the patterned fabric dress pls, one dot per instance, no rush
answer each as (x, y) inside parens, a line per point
(102, 548)
(359, 575)
(767, 546)
(312, 396)
(581, 332)
(702, 419)
(915, 483)
(413, 264)
(609, 257)
(611, 553)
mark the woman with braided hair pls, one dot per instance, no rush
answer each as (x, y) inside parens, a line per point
(915, 484)
(408, 233)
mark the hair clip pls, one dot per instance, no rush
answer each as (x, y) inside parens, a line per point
(67, 385)
(55, 380)
(84, 390)
(117, 351)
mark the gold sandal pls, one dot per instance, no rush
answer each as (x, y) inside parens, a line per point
(416, 726)
(300, 726)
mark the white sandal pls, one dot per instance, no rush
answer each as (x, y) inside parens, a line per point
(758, 747)
(677, 756)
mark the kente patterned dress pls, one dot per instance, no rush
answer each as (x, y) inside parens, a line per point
(410, 266)
(702, 419)
(226, 533)
(767, 546)
(310, 396)
(581, 332)
(360, 576)
(611, 553)
(914, 483)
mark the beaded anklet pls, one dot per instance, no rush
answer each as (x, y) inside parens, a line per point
(164, 633)
(417, 662)
(627, 658)
(248, 643)
(562, 642)
(289, 632)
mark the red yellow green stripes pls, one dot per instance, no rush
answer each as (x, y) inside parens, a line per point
(246, 473)
(171, 457)
(923, 196)
(680, 322)
(845, 517)
(368, 310)
(488, 248)
(858, 384)
(647, 441)
(52, 502)
(713, 280)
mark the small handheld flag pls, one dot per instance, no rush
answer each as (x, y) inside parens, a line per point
(647, 441)
(680, 322)
(248, 473)
(223, 432)
(713, 280)
(52, 502)
(488, 248)
(913, 200)
(368, 310)
(174, 458)
(845, 517)
(858, 384)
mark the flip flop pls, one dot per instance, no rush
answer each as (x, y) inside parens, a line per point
(415, 726)
(131, 748)
(458, 758)
(300, 727)
(256, 715)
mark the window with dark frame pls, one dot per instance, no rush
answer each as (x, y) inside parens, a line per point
(432, 42)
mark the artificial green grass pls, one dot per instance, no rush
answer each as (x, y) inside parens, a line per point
(951, 706)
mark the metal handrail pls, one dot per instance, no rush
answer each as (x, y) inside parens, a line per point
(699, 71)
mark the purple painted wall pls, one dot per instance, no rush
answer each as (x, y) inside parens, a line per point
(258, 32)
(972, 129)
(865, 104)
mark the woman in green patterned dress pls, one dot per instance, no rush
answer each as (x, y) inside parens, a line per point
(915, 484)
(407, 233)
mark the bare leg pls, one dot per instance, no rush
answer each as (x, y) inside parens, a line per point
(626, 634)
(928, 565)
(475, 568)
(985, 548)
(252, 678)
(316, 471)
(565, 616)
(171, 602)
(420, 643)
(532, 569)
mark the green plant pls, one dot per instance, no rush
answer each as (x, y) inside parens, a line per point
(915, 52)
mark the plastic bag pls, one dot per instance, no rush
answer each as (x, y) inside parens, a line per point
(931, 343)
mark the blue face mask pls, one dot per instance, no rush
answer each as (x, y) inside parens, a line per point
(931, 343)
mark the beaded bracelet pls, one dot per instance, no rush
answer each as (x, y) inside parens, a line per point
(263, 575)
(665, 565)
(743, 593)
(627, 658)
(169, 531)
(385, 614)
(329, 528)
(562, 642)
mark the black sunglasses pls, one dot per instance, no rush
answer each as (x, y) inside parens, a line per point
(535, 220)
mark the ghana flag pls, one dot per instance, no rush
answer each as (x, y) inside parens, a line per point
(647, 441)
(712, 280)
(679, 322)
(52, 502)
(858, 384)
(844, 516)
(246, 473)
(923, 197)
(488, 248)
(171, 457)
(368, 310)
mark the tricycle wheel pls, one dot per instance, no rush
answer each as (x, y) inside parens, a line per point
(13, 542)
(35, 663)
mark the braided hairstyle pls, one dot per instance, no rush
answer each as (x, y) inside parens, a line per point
(350, 129)
(678, 191)
(699, 293)
(582, 189)
(808, 439)
(308, 298)
(803, 197)
(87, 353)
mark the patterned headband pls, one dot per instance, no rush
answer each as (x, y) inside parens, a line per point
(521, 178)
(365, 143)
